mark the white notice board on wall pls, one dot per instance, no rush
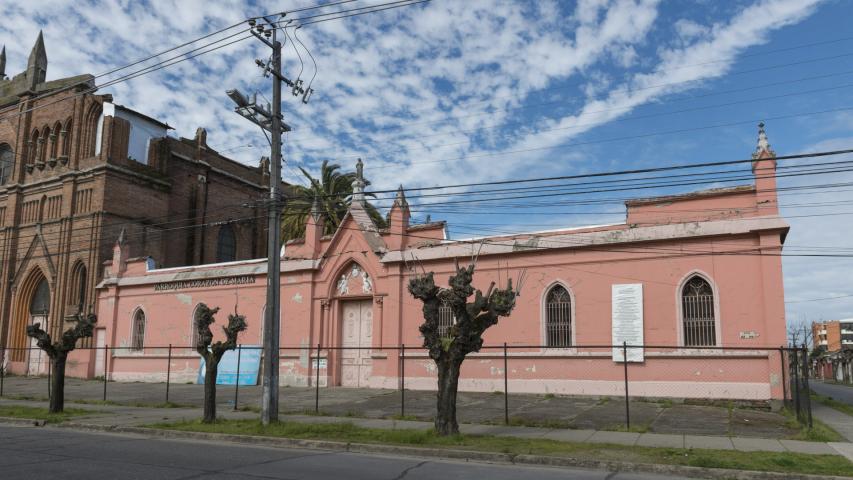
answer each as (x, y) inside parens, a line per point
(627, 320)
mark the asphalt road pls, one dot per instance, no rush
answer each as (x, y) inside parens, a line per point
(842, 393)
(51, 453)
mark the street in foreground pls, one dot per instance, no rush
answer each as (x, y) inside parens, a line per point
(50, 453)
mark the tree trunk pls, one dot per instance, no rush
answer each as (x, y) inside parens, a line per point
(448, 383)
(57, 383)
(211, 370)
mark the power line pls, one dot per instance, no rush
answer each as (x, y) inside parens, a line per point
(715, 176)
(819, 299)
(612, 173)
(436, 206)
(162, 64)
(386, 6)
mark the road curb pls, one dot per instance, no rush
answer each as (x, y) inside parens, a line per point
(465, 455)
(23, 421)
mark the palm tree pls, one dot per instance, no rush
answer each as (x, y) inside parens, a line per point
(333, 191)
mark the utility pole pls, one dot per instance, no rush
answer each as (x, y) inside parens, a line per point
(270, 119)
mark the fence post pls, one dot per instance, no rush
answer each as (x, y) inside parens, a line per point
(795, 381)
(106, 370)
(807, 396)
(168, 371)
(784, 380)
(627, 406)
(2, 368)
(237, 381)
(317, 382)
(506, 389)
(402, 380)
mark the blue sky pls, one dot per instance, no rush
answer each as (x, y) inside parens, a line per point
(453, 91)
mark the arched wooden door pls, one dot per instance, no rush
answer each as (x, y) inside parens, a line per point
(357, 338)
(39, 310)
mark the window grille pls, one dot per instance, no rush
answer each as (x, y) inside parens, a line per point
(445, 319)
(137, 338)
(558, 317)
(697, 303)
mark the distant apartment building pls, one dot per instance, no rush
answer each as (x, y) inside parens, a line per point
(833, 335)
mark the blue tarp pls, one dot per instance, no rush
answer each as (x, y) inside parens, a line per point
(250, 365)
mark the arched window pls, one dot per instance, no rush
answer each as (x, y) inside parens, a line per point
(45, 144)
(137, 335)
(7, 162)
(697, 310)
(79, 278)
(40, 304)
(226, 244)
(445, 319)
(558, 317)
(66, 137)
(54, 141)
(92, 126)
(194, 332)
(32, 154)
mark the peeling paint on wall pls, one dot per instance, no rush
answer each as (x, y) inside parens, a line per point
(430, 367)
(774, 379)
(297, 297)
(184, 298)
(304, 352)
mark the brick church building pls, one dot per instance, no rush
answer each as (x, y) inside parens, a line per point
(75, 168)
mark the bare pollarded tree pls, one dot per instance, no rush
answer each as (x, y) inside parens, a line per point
(213, 352)
(84, 326)
(449, 349)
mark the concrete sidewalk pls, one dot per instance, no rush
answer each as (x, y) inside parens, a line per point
(839, 421)
(119, 415)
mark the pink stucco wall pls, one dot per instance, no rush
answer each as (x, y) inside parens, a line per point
(655, 247)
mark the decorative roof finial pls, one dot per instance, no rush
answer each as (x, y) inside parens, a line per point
(400, 200)
(121, 235)
(763, 143)
(358, 184)
(37, 63)
(315, 208)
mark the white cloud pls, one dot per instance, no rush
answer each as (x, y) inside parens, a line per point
(406, 87)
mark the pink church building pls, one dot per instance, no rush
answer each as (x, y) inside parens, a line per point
(700, 273)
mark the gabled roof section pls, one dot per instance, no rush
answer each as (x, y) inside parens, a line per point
(365, 224)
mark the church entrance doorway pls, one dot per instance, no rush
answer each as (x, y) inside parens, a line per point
(356, 364)
(37, 363)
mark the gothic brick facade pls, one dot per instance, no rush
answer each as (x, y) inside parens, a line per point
(76, 170)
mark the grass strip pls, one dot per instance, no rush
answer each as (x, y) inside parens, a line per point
(36, 413)
(785, 462)
(820, 432)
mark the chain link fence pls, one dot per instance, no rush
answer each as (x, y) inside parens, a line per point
(582, 386)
